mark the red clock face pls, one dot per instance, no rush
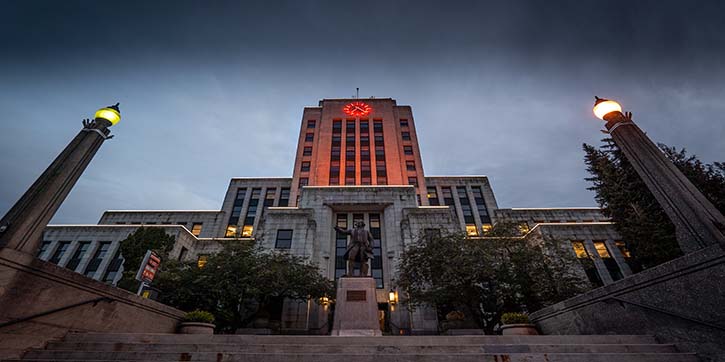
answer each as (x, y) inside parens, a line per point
(357, 109)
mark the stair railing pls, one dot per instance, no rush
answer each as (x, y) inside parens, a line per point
(670, 313)
(56, 310)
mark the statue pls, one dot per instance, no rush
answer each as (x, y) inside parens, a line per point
(360, 249)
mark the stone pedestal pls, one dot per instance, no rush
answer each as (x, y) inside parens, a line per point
(356, 308)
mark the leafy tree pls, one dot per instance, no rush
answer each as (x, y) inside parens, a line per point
(485, 277)
(133, 250)
(638, 217)
(239, 282)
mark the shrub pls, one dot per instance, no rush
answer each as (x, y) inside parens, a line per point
(199, 316)
(515, 318)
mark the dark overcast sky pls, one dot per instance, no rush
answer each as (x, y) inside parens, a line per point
(211, 90)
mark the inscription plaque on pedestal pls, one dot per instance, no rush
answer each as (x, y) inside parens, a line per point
(356, 296)
(356, 309)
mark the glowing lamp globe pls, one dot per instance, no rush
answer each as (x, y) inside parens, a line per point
(603, 107)
(111, 114)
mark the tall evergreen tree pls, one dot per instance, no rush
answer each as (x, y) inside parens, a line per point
(624, 197)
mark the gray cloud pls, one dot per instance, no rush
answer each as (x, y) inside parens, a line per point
(210, 92)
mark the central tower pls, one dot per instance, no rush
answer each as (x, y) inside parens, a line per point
(348, 142)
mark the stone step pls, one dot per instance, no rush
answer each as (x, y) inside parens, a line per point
(389, 347)
(398, 340)
(446, 357)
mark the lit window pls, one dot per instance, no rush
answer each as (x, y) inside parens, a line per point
(623, 248)
(486, 227)
(433, 196)
(579, 249)
(196, 228)
(524, 228)
(201, 261)
(311, 123)
(284, 239)
(309, 137)
(247, 231)
(471, 230)
(231, 231)
(307, 151)
(601, 249)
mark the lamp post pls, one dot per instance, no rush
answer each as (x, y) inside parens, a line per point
(22, 227)
(697, 222)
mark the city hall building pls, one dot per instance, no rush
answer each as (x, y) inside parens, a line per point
(356, 159)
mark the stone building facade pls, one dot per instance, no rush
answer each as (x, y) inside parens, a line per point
(356, 160)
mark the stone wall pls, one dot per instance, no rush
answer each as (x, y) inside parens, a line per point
(210, 221)
(680, 302)
(29, 286)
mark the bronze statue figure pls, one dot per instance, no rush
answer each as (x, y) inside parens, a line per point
(360, 249)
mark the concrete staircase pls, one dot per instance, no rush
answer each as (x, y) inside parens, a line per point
(175, 347)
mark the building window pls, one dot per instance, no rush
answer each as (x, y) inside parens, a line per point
(307, 151)
(237, 207)
(480, 204)
(432, 195)
(309, 137)
(413, 181)
(247, 231)
(304, 181)
(377, 125)
(587, 263)
(97, 259)
(523, 228)
(59, 252)
(81, 251)
(336, 126)
(410, 165)
(113, 267)
(284, 239)
(406, 136)
(231, 231)
(403, 123)
(340, 246)
(447, 196)
(471, 230)
(196, 228)
(486, 228)
(284, 197)
(350, 127)
(43, 248)
(201, 261)
(270, 196)
(633, 265)
(376, 264)
(609, 262)
(465, 205)
(311, 123)
(408, 150)
(182, 254)
(382, 180)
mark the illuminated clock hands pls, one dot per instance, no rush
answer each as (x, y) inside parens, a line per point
(357, 109)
